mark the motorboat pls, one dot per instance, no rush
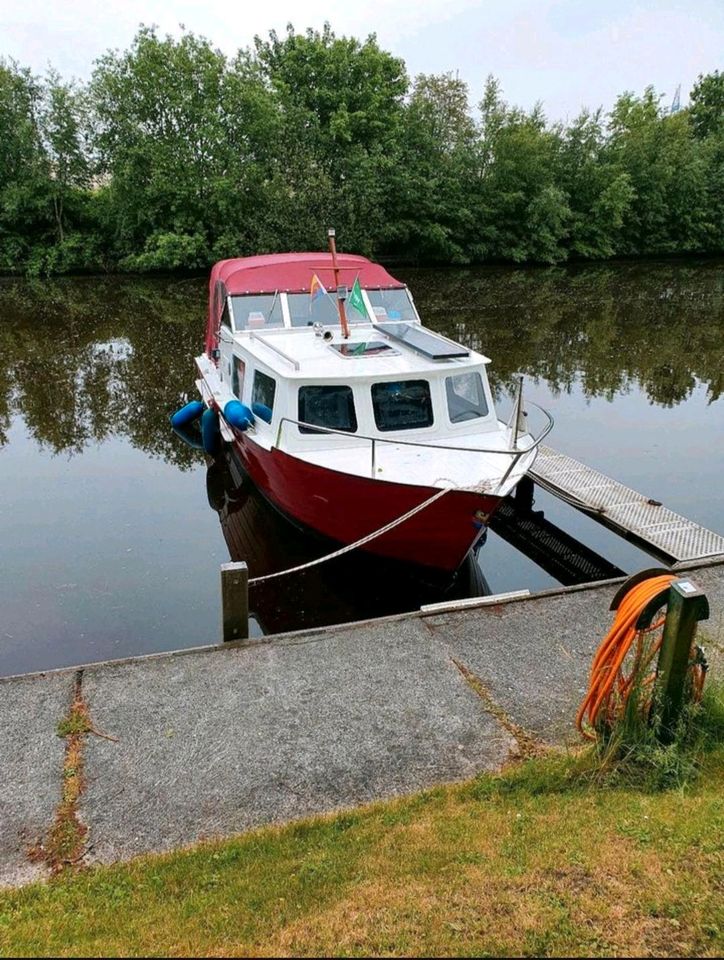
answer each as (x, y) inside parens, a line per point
(351, 418)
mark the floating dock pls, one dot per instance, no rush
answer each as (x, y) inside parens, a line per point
(638, 518)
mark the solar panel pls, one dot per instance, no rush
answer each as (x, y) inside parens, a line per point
(423, 342)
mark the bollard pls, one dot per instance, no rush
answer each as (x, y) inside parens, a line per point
(234, 601)
(687, 604)
(524, 494)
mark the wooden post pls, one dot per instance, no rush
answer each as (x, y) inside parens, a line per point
(235, 601)
(687, 605)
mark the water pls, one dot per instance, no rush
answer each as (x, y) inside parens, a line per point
(111, 528)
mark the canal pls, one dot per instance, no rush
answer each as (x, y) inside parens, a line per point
(113, 530)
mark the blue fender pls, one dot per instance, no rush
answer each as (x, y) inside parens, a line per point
(210, 432)
(262, 411)
(238, 415)
(187, 414)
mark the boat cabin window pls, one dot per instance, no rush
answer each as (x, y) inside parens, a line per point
(262, 396)
(328, 406)
(465, 397)
(303, 311)
(392, 305)
(237, 377)
(402, 405)
(257, 312)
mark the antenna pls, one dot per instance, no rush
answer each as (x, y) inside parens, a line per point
(676, 102)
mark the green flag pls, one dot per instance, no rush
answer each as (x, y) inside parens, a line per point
(355, 299)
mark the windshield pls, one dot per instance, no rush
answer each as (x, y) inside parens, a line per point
(304, 311)
(257, 312)
(392, 305)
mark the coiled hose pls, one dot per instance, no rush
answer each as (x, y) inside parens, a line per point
(612, 677)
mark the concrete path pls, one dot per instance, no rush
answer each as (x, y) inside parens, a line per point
(31, 765)
(215, 741)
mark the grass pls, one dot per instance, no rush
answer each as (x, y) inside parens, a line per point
(64, 843)
(553, 857)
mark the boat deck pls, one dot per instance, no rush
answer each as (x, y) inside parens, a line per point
(639, 518)
(463, 467)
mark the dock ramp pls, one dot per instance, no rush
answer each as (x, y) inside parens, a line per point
(638, 518)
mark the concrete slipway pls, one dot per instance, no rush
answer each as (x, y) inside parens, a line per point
(214, 741)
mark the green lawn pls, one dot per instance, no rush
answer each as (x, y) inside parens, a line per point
(537, 861)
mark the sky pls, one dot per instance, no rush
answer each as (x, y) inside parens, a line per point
(568, 54)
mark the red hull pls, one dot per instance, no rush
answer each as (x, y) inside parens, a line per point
(346, 508)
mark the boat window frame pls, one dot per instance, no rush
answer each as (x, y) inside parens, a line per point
(429, 382)
(277, 296)
(310, 431)
(259, 372)
(446, 399)
(371, 310)
(238, 383)
(387, 351)
(330, 322)
(228, 312)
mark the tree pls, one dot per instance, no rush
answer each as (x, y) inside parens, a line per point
(524, 215)
(666, 171)
(429, 203)
(162, 142)
(64, 131)
(598, 193)
(23, 166)
(341, 105)
(707, 105)
(175, 156)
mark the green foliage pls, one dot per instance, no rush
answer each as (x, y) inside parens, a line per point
(175, 155)
(707, 105)
(634, 753)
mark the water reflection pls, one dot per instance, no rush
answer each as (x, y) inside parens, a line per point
(115, 553)
(654, 326)
(84, 359)
(356, 586)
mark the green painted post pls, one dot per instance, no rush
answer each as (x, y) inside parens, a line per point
(687, 605)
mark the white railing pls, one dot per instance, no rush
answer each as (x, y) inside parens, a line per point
(514, 452)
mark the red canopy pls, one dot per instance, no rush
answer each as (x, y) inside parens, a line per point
(288, 273)
(292, 272)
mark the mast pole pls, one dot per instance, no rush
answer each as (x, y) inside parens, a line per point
(340, 303)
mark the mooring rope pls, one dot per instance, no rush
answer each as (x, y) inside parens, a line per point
(358, 543)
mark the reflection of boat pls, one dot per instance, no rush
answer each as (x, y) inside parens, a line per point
(352, 419)
(324, 594)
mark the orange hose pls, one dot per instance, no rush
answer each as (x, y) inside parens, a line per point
(609, 687)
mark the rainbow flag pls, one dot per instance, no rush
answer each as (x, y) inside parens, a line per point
(317, 288)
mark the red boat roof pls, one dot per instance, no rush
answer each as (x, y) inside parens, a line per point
(293, 272)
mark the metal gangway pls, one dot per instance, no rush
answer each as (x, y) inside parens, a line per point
(640, 519)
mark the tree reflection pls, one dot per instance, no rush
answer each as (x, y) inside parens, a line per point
(85, 359)
(656, 327)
